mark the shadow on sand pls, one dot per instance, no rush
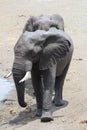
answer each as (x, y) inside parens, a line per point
(25, 117)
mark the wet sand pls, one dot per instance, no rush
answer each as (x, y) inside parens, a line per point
(73, 115)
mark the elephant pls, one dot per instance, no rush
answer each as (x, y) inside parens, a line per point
(47, 55)
(44, 22)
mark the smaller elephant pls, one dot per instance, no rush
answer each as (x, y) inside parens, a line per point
(47, 54)
(44, 22)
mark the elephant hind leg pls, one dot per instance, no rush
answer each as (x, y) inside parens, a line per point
(58, 99)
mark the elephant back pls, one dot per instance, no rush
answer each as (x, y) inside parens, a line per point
(44, 22)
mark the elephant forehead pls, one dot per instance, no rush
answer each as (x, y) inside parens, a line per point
(45, 22)
(43, 17)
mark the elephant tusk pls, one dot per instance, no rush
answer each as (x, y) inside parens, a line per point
(26, 77)
(8, 75)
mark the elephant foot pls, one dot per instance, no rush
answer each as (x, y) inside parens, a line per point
(46, 116)
(59, 102)
(38, 112)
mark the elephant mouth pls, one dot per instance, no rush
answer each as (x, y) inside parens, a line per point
(26, 77)
(35, 58)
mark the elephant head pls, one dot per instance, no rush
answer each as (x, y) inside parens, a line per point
(44, 22)
(26, 52)
(44, 47)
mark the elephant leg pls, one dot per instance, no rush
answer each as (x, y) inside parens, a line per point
(36, 81)
(48, 80)
(59, 88)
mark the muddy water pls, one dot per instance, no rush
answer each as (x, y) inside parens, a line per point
(5, 87)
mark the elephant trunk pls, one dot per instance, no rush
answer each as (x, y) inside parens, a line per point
(20, 67)
(20, 87)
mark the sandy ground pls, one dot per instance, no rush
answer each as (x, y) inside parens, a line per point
(73, 115)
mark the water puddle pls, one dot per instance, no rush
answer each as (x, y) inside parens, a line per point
(5, 87)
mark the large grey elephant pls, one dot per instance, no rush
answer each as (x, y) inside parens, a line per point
(47, 54)
(44, 22)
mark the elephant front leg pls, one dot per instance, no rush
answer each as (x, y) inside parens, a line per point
(36, 81)
(59, 88)
(48, 81)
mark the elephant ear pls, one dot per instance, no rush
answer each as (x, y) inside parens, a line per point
(54, 51)
(59, 21)
(29, 25)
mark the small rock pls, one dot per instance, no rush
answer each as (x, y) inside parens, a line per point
(27, 109)
(12, 111)
(63, 120)
(22, 15)
(67, 79)
(78, 59)
(83, 121)
(4, 100)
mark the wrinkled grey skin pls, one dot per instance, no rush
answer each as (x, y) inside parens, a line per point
(44, 22)
(47, 54)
